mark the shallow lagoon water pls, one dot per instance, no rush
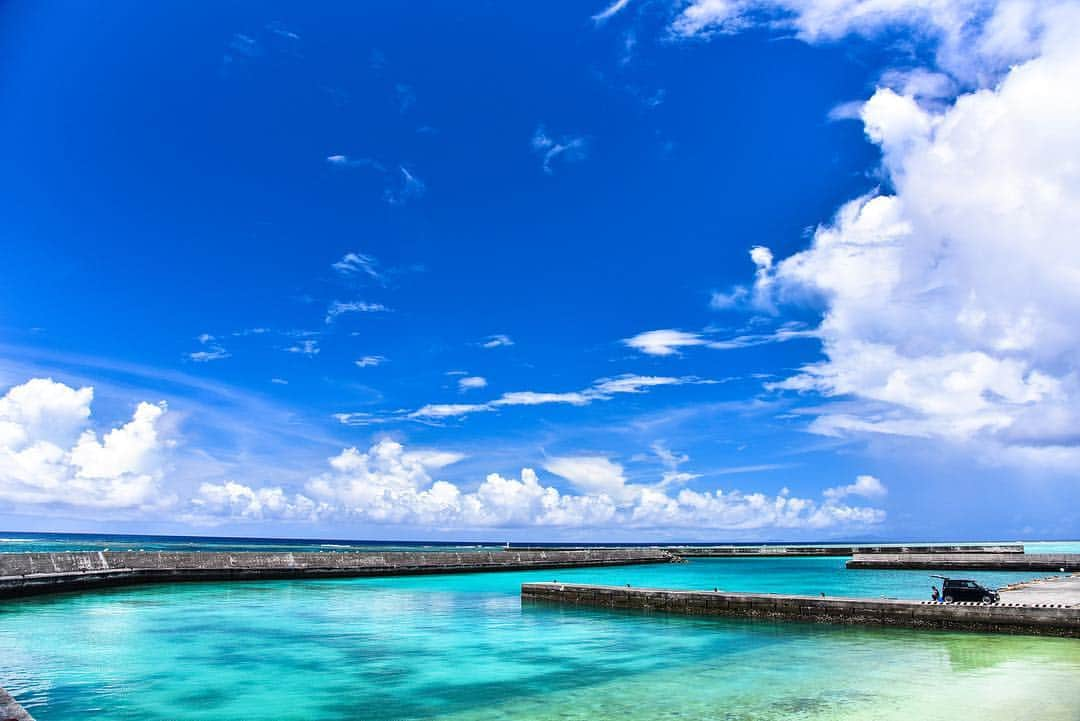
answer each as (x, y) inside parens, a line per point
(463, 647)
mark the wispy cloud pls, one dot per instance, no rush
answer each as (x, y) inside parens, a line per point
(407, 187)
(359, 264)
(401, 184)
(338, 308)
(497, 341)
(307, 347)
(406, 97)
(668, 341)
(344, 161)
(361, 419)
(610, 11)
(370, 361)
(565, 149)
(601, 390)
(212, 350)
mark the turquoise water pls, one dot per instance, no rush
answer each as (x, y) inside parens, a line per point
(463, 647)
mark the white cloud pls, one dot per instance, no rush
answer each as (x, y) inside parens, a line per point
(212, 350)
(566, 149)
(472, 382)
(338, 308)
(664, 342)
(865, 486)
(359, 264)
(279, 381)
(601, 389)
(408, 187)
(387, 484)
(595, 475)
(450, 410)
(344, 161)
(667, 341)
(610, 11)
(950, 305)
(361, 419)
(497, 341)
(534, 398)
(734, 298)
(306, 347)
(48, 455)
(370, 361)
(236, 500)
(974, 38)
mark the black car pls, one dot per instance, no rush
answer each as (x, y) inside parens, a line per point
(962, 589)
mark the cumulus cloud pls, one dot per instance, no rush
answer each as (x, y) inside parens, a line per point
(865, 486)
(949, 297)
(49, 455)
(236, 500)
(974, 39)
(564, 149)
(388, 484)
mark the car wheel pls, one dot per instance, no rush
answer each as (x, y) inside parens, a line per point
(987, 599)
(948, 599)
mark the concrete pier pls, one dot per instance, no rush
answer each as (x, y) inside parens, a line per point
(24, 574)
(1043, 619)
(1058, 562)
(10, 710)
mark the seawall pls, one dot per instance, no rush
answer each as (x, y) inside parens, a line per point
(969, 561)
(997, 618)
(10, 710)
(23, 574)
(797, 550)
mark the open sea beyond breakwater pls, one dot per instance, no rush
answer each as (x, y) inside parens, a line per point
(463, 647)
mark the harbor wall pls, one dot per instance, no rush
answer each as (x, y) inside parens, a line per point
(1042, 619)
(24, 574)
(1057, 562)
(10, 710)
(796, 550)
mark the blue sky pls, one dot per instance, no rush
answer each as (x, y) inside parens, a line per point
(467, 239)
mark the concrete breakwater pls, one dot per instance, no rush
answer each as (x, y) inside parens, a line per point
(796, 550)
(1000, 618)
(969, 561)
(10, 710)
(23, 574)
